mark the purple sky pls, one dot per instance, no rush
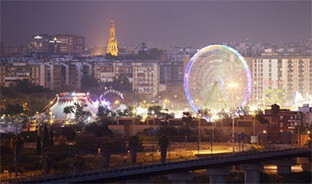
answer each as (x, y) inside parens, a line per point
(180, 23)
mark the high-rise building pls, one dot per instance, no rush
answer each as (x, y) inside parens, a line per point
(39, 44)
(104, 72)
(112, 41)
(146, 78)
(61, 43)
(70, 43)
(279, 79)
(171, 72)
(10, 74)
(55, 76)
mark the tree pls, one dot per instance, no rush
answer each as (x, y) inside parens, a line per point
(155, 53)
(125, 113)
(205, 112)
(106, 152)
(154, 110)
(78, 163)
(69, 133)
(260, 117)
(105, 116)
(243, 111)
(126, 84)
(88, 82)
(13, 109)
(56, 157)
(163, 143)
(51, 136)
(16, 144)
(274, 96)
(87, 143)
(275, 110)
(133, 146)
(46, 140)
(121, 83)
(167, 131)
(46, 163)
(99, 130)
(78, 109)
(109, 56)
(38, 146)
(187, 119)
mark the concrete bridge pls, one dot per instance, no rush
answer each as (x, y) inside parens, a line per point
(217, 167)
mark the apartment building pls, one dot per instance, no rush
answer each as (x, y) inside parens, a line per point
(278, 79)
(10, 74)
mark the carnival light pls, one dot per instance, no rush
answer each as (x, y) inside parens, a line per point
(210, 73)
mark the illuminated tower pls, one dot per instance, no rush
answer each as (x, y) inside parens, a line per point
(112, 41)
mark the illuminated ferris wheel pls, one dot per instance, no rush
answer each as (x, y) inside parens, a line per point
(217, 78)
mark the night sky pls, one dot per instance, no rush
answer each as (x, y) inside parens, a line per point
(182, 23)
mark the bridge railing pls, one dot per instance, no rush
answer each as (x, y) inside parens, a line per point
(149, 166)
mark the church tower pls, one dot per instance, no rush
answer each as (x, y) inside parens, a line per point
(112, 41)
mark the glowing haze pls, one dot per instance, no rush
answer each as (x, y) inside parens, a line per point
(179, 23)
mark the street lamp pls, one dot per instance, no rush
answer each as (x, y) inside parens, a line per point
(254, 123)
(165, 103)
(199, 127)
(177, 101)
(133, 122)
(232, 86)
(116, 102)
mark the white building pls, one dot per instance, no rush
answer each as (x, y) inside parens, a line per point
(277, 79)
(307, 114)
(104, 72)
(146, 78)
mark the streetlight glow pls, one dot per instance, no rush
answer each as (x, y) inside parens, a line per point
(116, 102)
(233, 85)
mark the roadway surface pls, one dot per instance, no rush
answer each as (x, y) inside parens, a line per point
(171, 167)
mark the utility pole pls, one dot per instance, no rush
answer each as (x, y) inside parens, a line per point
(212, 137)
(232, 86)
(199, 127)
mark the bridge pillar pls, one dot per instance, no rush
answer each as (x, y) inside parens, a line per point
(147, 180)
(284, 166)
(180, 177)
(305, 164)
(252, 173)
(217, 175)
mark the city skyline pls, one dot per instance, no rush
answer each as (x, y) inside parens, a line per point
(136, 22)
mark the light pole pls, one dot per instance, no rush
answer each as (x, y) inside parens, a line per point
(199, 124)
(232, 86)
(177, 101)
(212, 137)
(254, 124)
(133, 122)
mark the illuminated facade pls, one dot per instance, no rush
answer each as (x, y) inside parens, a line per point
(62, 100)
(51, 75)
(146, 78)
(60, 43)
(112, 47)
(70, 43)
(277, 79)
(10, 74)
(39, 44)
(104, 72)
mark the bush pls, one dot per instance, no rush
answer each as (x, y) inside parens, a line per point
(119, 146)
(29, 136)
(87, 143)
(69, 133)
